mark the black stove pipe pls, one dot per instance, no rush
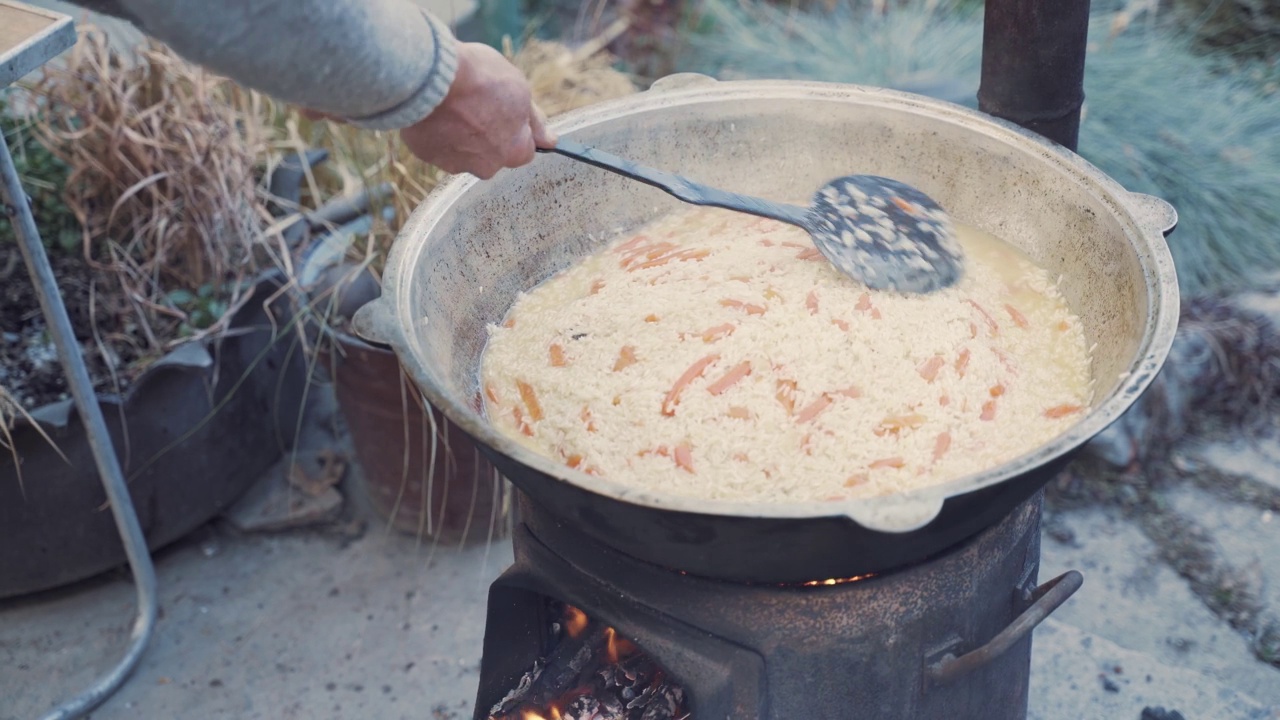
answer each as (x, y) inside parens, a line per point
(1033, 65)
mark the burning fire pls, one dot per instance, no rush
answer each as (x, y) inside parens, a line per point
(615, 675)
(615, 647)
(535, 715)
(575, 621)
(837, 581)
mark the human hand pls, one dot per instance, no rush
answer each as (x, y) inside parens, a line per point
(487, 122)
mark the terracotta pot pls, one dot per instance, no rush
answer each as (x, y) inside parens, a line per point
(444, 489)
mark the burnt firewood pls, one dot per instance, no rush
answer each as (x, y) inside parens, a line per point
(666, 703)
(568, 666)
(512, 699)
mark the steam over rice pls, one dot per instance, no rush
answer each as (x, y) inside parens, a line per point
(717, 355)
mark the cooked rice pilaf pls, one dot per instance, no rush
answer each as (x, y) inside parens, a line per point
(717, 355)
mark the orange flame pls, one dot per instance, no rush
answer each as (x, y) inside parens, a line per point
(617, 647)
(837, 581)
(575, 621)
(554, 714)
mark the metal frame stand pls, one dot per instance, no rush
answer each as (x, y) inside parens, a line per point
(48, 40)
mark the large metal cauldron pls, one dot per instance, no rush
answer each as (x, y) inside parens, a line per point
(472, 246)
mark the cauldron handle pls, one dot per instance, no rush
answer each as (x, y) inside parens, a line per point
(1045, 599)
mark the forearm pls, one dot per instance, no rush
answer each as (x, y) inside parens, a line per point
(380, 64)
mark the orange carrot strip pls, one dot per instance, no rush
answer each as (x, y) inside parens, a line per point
(510, 323)
(810, 254)
(710, 335)
(905, 206)
(893, 462)
(695, 371)
(1005, 361)
(813, 409)
(796, 245)
(573, 461)
(856, 479)
(520, 423)
(684, 457)
(988, 410)
(739, 413)
(588, 418)
(875, 313)
(626, 358)
(1064, 325)
(530, 399)
(929, 368)
(864, 302)
(729, 379)
(597, 286)
(631, 244)
(655, 262)
(811, 302)
(895, 424)
(1018, 318)
(941, 445)
(962, 362)
(698, 254)
(996, 390)
(992, 326)
(851, 392)
(750, 308)
(1061, 411)
(651, 318)
(766, 242)
(557, 356)
(945, 400)
(840, 324)
(786, 394)
(493, 395)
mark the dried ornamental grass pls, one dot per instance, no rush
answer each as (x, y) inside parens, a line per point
(562, 79)
(163, 162)
(1202, 132)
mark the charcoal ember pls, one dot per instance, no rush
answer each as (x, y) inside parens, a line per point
(518, 694)
(593, 707)
(630, 678)
(667, 703)
(582, 708)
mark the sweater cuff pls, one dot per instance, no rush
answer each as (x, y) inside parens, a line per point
(428, 95)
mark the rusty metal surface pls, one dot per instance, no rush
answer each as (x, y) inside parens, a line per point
(767, 652)
(1033, 54)
(442, 488)
(472, 247)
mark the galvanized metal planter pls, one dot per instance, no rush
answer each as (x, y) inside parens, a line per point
(193, 433)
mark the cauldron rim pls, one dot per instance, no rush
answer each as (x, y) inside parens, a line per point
(1146, 219)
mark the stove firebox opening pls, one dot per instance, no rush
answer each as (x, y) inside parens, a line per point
(589, 671)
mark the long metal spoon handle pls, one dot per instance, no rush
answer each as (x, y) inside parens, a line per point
(683, 188)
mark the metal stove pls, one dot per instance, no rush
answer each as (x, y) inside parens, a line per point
(946, 637)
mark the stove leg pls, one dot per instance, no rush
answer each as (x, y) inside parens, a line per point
(17, 208)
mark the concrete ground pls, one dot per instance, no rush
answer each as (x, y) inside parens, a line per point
(331, 621)
(340, 619)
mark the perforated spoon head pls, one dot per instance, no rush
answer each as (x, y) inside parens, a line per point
(885, 234)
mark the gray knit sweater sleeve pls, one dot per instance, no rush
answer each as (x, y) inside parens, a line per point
(380, 64)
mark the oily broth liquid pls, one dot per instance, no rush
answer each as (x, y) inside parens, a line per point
(738, 254)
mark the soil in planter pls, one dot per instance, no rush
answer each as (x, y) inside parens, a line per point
(29, 366)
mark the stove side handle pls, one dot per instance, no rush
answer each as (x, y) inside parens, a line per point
(1045, 599)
